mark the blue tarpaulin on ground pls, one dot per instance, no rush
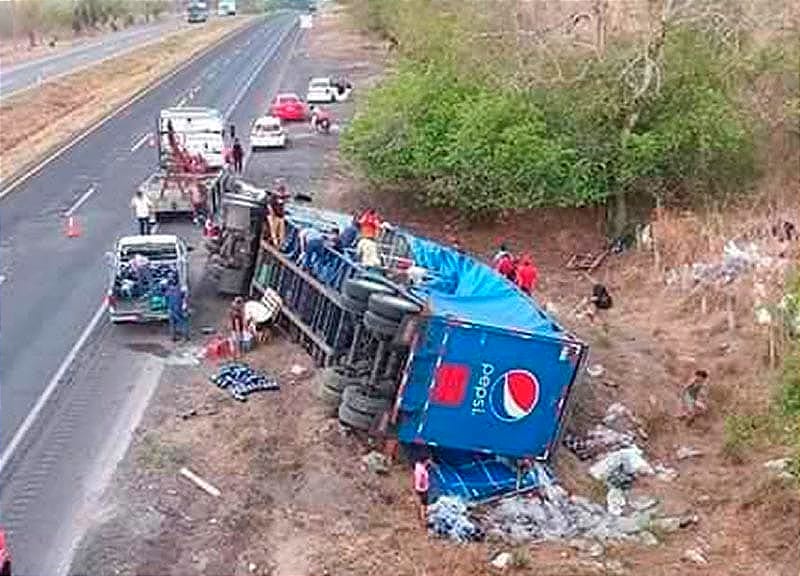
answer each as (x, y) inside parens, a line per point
(474, 476)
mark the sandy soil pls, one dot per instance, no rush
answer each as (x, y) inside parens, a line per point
(38, 120)
(296, 499)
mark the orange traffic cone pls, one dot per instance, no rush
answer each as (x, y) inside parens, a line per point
(73, 229)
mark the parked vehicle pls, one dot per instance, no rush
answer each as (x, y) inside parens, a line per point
(327, 90)
(268, 132)
(197, 12)
(288, 106)
(226, 8)
(197, 131)
(141, 270)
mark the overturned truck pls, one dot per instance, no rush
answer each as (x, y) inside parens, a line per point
(436, 344)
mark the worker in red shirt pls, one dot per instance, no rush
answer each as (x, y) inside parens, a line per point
(526, 274)
(369, 224)
(504, 264)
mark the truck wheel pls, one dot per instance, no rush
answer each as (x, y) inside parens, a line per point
(336, 380)
(352, 305)
(380, 325)
(387, 387)
(361, 289)
(330, 397)
(354, 419)
(392, 307)
(359, 399)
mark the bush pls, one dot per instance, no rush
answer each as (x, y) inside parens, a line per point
(464, 144)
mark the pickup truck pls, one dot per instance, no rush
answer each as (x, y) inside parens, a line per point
(181, 193)
(326, 90)
(141, 269)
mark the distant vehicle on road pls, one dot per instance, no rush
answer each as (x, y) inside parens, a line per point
(226, 8)
(197, 12)
(142, 268)
(5, 556)
(288, 106)
(267, 132)
(327, 90)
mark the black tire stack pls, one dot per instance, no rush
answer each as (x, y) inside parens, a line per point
(347, 389)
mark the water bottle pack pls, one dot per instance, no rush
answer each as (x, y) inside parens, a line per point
(240, 380)
(133, 284)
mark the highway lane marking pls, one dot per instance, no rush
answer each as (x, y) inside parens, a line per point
(27, 424)
(80, 201)
(41, 402)
(7, 188)
(243, 90)
(181, 103)
(140, 142)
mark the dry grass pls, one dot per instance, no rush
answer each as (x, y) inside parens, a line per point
(41, 119)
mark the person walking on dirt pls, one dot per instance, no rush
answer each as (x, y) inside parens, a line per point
(142, 208)
(178, 315)
(526, 274)
(238, 156)
(692, 396)
(421, 486)
(503, 263)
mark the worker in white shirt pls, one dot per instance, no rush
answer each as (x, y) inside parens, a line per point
(142, 207)
(368, 254)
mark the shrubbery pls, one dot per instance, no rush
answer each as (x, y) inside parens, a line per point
(465, 144)
(459, 129)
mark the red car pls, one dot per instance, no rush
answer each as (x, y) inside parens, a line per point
(5, 556)
(288, 107)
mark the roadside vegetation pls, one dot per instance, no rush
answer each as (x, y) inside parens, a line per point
(486, 116)
(47, 21)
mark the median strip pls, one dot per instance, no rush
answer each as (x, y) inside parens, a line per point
(40, 120)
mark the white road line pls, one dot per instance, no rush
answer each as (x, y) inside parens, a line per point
(5, 457)
(140, 142)
(181, 102)
(80, 201)
(243, 90)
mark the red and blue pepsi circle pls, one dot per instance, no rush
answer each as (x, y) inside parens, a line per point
(514, 395)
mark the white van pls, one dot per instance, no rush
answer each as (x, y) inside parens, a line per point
(198, 130)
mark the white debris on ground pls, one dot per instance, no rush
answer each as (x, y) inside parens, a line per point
(449, 518)
(550, 513)
(736, 260)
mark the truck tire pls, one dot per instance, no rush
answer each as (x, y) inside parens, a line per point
(354, 419)
(392, 307)
(387, 387)
(360, 400)
(352, 305)
(379, 325)
(337, 380)
(330, 397)
(360, 289)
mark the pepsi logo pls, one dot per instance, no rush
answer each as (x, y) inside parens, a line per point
(514, 395)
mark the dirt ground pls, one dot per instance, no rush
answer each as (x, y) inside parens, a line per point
(40, 119)
(296, 500)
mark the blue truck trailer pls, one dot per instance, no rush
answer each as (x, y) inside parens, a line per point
(460, 358)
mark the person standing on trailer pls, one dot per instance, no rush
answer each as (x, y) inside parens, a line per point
(142, 208)
(276, 215)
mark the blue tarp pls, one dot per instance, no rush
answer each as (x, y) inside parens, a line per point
(474, 476)
(472, 291)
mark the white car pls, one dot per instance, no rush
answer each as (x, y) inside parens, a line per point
(326, 90)
(268, 132)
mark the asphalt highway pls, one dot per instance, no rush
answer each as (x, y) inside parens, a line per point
(56, 343)
(33, 72)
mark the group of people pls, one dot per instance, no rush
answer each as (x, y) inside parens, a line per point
(522, 270)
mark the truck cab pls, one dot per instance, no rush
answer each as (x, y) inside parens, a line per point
(141, 269)
(197, 12)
